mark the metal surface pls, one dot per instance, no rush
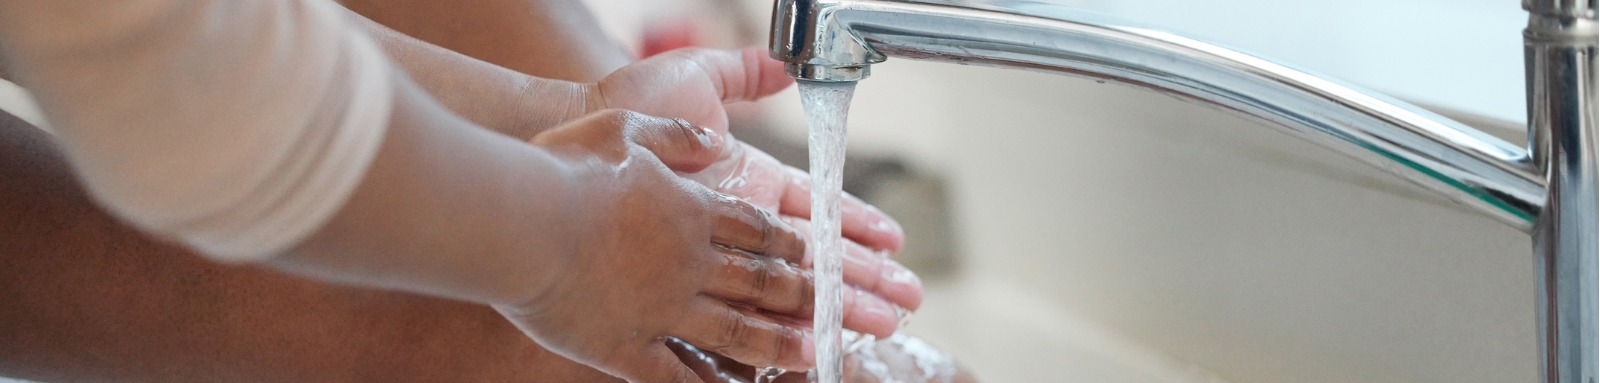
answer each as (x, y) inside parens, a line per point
(1560, 51)
(1565, 8)
(838, 40)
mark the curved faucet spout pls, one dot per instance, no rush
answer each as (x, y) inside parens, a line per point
(838, 40)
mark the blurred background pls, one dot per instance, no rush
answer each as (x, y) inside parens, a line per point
(1071, 231)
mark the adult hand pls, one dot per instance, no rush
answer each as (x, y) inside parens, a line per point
(694, 84)
(658, 255)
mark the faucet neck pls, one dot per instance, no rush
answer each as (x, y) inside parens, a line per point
(807, 35)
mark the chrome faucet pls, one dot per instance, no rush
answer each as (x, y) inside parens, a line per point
(1547, 189)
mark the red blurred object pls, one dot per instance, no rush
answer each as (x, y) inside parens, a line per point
(664, 37)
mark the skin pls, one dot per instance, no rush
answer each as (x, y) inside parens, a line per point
(86, 299)
(91, 300)
(448, 209)
(694, 85)
(899, 358)
(768, 183)
(520, 35)
(445, 306)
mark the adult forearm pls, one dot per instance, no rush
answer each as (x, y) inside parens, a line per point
(547, 38)
(85, 298)
(449, 209)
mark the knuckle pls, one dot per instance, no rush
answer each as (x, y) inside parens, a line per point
(735, 332)
(791, 282)
(782, 341)
(612, 124)
(766, 227)
(629, 123)
(615, 116)
(807, 294)
(761, 279)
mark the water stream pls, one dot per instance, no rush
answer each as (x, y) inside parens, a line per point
(827, 105)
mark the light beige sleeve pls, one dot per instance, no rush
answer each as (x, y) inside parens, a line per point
(236, 127)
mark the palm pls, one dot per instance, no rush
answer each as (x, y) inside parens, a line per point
(753, 175)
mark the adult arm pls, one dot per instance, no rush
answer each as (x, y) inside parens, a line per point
(89, 299)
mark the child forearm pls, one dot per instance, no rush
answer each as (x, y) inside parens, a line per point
(558, 39)
(503, 100)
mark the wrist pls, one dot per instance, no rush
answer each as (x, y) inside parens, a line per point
(575, 178)
(544, 103)
(585, 192)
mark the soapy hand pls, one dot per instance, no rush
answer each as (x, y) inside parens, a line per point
(661, 256)
(694, 84)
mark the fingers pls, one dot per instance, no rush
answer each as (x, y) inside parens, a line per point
(871, 271)
(744, 226)
(742, 75)
(874, 272)
(859, 221)
(867, 313)
(681, 146)
(714, 326)
(763, 282)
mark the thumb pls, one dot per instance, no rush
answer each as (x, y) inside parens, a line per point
(681, 146)
(741, 75)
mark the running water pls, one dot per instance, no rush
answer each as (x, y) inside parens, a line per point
(826, 105)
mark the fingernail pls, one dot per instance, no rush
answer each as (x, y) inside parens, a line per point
(884, 224)
(888, 226)
(894, 272)
(901, 284)
(708, 137)
(905, 316)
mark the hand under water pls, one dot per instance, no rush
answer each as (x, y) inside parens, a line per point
(660, 256)
(694, 84)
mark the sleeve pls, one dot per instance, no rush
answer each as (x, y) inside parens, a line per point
(236, 127)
